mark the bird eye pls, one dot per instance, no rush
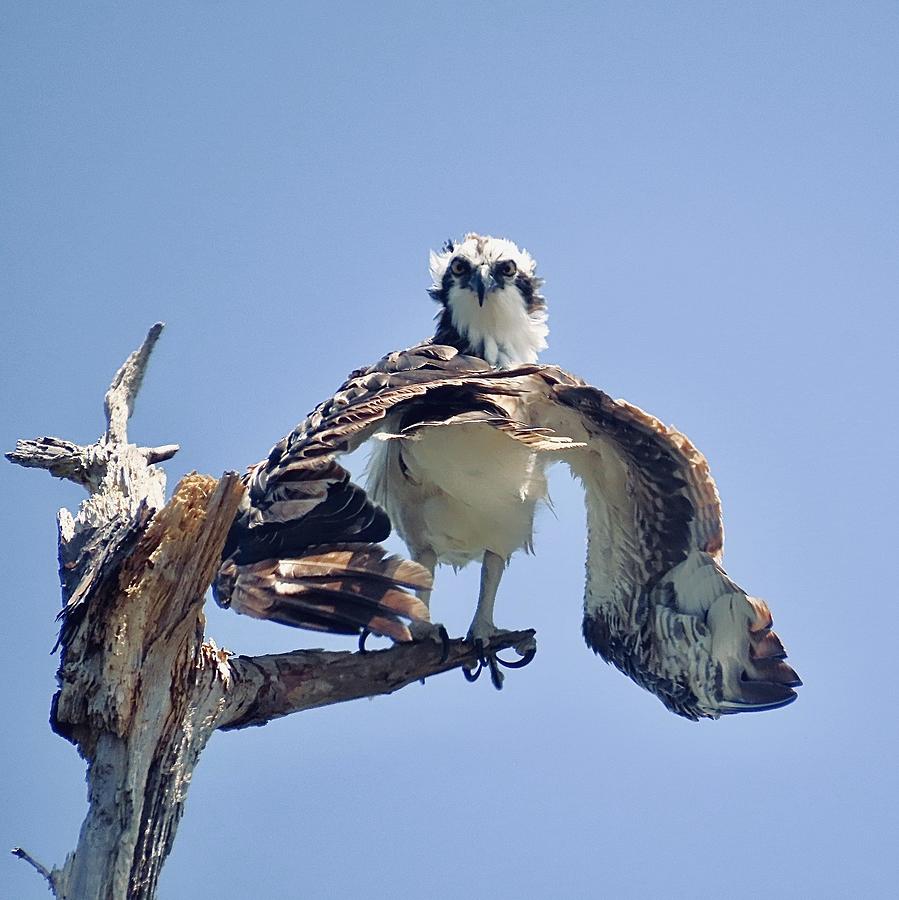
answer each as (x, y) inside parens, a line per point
(507, 269)
(459, 266)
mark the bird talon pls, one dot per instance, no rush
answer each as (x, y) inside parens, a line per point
(363, 637)
(488, 659)
(521, 662)
(437, 634)
(496, 674)
(472, 674)
(445, 643)
(480, 647)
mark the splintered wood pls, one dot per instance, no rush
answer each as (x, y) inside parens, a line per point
(140, 690)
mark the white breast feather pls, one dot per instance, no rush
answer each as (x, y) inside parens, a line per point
(509, 334)
(462, 489)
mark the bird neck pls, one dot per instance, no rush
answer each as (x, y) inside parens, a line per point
(503, 334)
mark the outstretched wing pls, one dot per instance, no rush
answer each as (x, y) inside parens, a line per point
(304, 549)
(658, 604)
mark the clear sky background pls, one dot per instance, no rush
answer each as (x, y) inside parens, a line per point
(711, 192)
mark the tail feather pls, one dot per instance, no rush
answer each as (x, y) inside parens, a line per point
(344, 589)
(725, 650)
(766, 645)
(257, 601)
(367, 560)
(757, 696)
(777, 671)
(349, 593)
(741, 624)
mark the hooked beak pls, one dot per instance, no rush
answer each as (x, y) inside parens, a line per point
(481, 282)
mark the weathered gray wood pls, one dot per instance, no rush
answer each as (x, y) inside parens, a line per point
(131, 694)
(140, 690)
(64, 459)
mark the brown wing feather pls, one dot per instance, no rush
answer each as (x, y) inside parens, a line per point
(658, 604)
(343, 589)
(300, 498)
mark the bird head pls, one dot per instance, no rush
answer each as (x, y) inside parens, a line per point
(482, 269)
(490, 293)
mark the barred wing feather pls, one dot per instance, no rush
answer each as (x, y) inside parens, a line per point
(658, 604)
(305, 547)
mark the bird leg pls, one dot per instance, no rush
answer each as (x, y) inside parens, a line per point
(428, 631)
(482, 627)
(427, 558)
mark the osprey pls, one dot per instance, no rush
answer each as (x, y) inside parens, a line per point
(464, 426)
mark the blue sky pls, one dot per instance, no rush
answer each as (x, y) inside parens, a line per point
(711, 192)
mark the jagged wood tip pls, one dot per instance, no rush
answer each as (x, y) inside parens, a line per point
(159, 454)
(119, 400)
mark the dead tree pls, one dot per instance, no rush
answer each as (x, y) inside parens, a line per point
(141, 688)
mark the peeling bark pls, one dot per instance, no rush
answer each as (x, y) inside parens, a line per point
(140, 690)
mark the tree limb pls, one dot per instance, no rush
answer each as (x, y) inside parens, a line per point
(63, 459)
(268, 687)
(22, 854)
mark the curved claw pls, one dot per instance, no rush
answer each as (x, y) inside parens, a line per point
(472, 674)
(521, 662)
(496, 675)
(363, 637)
(445, 642)
(488, 659)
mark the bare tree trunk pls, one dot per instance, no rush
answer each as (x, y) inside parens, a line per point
(140, 690)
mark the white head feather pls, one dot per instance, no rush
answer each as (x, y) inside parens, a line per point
(508, 328)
